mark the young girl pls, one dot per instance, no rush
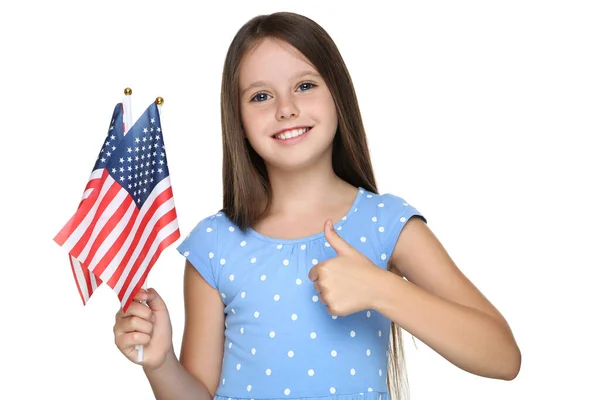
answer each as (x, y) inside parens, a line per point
(292, 288)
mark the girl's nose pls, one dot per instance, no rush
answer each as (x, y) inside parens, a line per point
(286, 109)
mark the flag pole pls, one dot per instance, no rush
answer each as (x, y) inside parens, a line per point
(127, 122)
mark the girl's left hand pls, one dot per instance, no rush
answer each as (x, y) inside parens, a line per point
(346, 283)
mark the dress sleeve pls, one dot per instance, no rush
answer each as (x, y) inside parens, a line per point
(392, 214)
(200, 249)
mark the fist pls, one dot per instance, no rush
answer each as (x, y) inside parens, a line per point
(346, 283)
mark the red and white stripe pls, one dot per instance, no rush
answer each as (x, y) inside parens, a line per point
(86, 281)
(116, 241)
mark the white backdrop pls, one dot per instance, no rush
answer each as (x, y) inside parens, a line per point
(481, 114)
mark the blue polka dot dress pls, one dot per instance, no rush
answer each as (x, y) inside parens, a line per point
(280, 341)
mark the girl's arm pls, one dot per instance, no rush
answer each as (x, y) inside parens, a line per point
(442, 308)
(196, 375)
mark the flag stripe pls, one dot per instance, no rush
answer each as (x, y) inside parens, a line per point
(146, 252)
(155, 204)
(127, 298)
(80, 279)
(110, 226)
(84, 208)
(85, 216)
(94, 183)
(113, 244)
(82, 247)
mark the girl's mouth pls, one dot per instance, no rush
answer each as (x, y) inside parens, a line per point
(291, 133)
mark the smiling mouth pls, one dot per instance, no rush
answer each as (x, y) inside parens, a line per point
(291, 134)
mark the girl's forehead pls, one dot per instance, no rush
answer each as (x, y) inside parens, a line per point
(272, 60)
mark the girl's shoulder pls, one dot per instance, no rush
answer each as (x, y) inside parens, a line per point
(387, 206)
(383, 216)
(201, 247)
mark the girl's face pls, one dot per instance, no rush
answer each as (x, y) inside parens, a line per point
(288, 113)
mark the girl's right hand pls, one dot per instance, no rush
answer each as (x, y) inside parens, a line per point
(149, 326)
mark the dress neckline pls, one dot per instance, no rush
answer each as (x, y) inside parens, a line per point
(359, 194)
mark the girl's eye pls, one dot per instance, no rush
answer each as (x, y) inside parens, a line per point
(306, 86)
(260, 97)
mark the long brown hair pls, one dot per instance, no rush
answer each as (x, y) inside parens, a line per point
(246, 188)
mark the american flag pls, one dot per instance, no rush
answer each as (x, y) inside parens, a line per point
(127, 215)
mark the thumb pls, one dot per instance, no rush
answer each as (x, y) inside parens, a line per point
(154, 301)
(335, 240)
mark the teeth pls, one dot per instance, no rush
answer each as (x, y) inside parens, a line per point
(292, 133)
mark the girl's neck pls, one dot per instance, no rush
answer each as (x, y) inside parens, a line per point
(301, 192)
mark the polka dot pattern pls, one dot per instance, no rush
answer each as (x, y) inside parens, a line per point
(275, 323)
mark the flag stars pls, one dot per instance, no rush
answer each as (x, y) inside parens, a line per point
(129, 151)
(145, 130)
(121, 160)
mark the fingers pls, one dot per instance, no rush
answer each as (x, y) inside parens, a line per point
(317, 287)
(136, 309)
(154, 301)
(138, 319)
(132, 339)
(141, 295)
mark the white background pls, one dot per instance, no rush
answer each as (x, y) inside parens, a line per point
(484, 115)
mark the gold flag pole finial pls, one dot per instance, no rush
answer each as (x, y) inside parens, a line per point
(159, 101)
(127, 91)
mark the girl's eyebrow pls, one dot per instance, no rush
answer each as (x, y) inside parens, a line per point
(293, 78)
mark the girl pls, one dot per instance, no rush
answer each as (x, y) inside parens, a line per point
(290, 288)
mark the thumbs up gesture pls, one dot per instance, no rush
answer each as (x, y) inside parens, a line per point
(346, 283)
